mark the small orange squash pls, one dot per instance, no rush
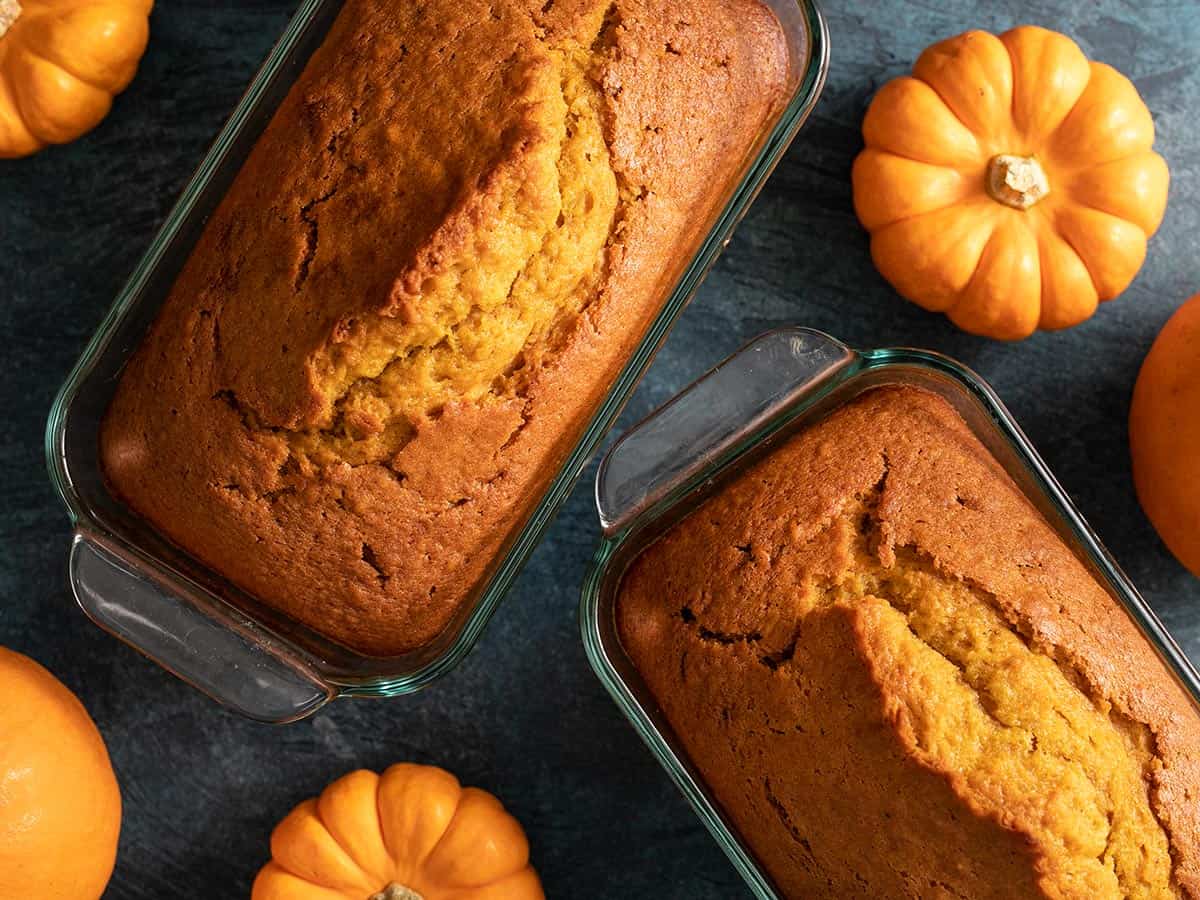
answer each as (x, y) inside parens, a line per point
(1009, 182)
(1164, 434)
(412, 833)
(60, 807)
(61, 62)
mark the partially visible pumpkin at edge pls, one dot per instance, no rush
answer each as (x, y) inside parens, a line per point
(412, 833)
(1009, 182)
(1164, 434)
(60, 806)
(61, 63)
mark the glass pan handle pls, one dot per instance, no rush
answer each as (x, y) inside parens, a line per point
(201, 644)
(712, 415)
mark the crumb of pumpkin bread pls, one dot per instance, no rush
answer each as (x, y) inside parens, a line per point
(429, 271)
(899, 682)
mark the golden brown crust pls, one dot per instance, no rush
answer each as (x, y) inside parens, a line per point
(872, 625)
(268, 423)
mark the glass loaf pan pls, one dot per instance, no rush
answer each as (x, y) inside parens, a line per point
(190, 620)
(666, 466)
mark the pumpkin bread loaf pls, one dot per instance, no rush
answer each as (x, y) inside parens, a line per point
(435, 261)
(899, 682)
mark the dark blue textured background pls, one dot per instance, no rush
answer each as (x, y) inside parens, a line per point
(524, 716)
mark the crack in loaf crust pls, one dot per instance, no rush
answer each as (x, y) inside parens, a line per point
(431, 267)
(899, 682)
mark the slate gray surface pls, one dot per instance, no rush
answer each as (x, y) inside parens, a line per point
(524, 716)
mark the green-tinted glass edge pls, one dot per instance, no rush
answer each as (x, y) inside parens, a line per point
(1104, 563)
(776, 143)
(598, 572)
(153, 255)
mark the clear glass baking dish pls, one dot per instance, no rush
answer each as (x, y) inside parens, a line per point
(666, 466)
(146, 591)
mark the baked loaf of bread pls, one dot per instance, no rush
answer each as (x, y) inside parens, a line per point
(435, 261)
(899, 682)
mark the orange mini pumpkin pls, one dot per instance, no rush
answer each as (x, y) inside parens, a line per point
(60, 807)
(61, 62)
(1009, 182)
(1164, 434)
(412, 833)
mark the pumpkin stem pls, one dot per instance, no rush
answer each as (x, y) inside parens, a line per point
(1016, 181)
(396, 892)
(10, 11)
